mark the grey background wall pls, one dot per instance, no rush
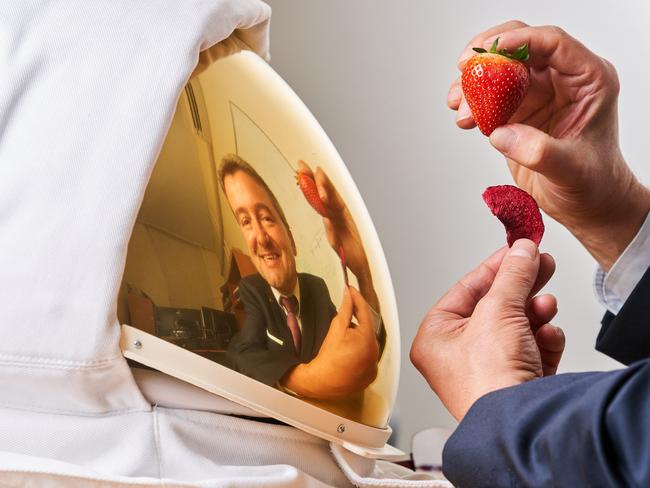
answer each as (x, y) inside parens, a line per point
(375, 74)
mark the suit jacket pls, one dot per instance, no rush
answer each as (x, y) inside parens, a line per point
(263, 349)
(583, 429)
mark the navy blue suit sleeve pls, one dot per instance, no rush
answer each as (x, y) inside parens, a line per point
(625, 336)
(584, 429)
(587, 429)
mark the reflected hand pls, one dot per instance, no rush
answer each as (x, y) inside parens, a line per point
(487, 332)
(562, 143)
(340, 228)
(347, 360)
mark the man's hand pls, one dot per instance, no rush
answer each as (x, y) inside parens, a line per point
(341, 231)
(347, 360)
(562, 143)
(489, 331)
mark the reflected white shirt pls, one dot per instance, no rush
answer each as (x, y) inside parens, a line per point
(613, 288)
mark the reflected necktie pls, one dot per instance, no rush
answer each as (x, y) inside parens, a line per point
(290, 305)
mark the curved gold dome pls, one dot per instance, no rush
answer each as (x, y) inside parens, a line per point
(189, 252)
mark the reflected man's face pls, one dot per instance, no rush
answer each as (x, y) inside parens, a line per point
(270, 244)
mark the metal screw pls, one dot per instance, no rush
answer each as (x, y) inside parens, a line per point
(341, 428)
(137, 344)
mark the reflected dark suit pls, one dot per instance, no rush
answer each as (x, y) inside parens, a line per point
(263, 349)
(583, 429)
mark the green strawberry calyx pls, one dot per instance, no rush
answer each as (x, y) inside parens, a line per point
(520, 54)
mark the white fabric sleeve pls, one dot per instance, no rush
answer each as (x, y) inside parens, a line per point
(614, 287)
(376, 321)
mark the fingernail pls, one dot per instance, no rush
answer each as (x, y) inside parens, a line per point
(503, 139)
(523, 248)
(454, 94)
(463, 112)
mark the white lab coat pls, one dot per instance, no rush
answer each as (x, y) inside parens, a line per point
(87, 92)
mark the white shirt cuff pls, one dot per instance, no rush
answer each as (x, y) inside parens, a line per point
(614, 287)
(376, 321)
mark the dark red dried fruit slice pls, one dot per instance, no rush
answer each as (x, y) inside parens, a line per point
(518, 212)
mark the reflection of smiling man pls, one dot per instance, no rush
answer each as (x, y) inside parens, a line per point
(292, 335)
(264, 227)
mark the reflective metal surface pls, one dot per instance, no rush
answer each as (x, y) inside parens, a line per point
(226, 235)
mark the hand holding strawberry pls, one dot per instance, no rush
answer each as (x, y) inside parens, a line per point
(561, 144)
(494, 84)
(340, 228)
(310, 192)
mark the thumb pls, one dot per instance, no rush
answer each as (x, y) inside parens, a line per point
(517, 274)
(534, 149)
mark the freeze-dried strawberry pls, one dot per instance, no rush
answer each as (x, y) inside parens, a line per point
(309, 190)
(517, 210)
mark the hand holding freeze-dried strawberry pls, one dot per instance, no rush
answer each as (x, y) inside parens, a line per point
(518, 212)
(494, 84)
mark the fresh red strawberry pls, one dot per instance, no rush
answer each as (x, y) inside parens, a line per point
(517, 210)
(309, 190)
(494, 84)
